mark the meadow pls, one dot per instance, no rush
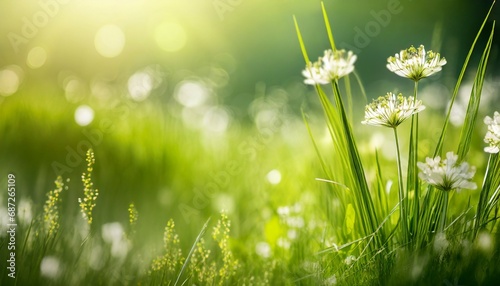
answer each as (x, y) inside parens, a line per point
(155, 178)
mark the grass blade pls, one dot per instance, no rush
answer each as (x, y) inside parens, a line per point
(475, 99)
(186, 262)
(439, 146)
(327, 25)
(301, 41)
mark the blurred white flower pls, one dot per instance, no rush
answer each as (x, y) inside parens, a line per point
(283, 211)
(114, 234)
(263, 249)
(332, 66)
(391, 110)
(338, 63)
(447, 175)
(295, 222)
(292, 234)
(283, 243)
(297, 208)
(415, 63)
(440, 242)
(315, 74)
(311, 266)
(493, 135)
(350, 259)
(485, 242)
(50, 267)
(332, 280)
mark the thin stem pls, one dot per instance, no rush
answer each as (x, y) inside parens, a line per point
(349, 97)
(416, 206)
(442, 224)
(402, 203)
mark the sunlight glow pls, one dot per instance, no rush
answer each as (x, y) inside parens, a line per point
(84, 115)
(36, 57)
(170, 36)
(109, 41)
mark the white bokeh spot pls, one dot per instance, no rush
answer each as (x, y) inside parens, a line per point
(84, 115)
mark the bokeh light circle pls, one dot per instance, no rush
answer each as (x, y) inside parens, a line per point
(36, 57)
(140, 85)
(109, 41)
(84, 115)
(10, 79)
(191, 93)
(274, 177)
(216, 119)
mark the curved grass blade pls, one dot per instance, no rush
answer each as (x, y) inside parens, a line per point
(439, 146)
(327, 25)
(475, 99)
(186, 262)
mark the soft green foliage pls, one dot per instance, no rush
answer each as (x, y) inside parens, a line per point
(357, 213)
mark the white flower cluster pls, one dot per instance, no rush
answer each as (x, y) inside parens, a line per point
(332, 66)
(391, 110)
(446, 174)
(415, 63)
(493, 134)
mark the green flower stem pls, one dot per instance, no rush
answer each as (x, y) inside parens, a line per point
(415, 159)
(442, 224)
(402, 200)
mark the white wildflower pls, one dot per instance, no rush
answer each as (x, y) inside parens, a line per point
(493, 135)
(415, 63)
(338, 63)
(447, 175)
(391, 110)
(315, 74)
(332, 66)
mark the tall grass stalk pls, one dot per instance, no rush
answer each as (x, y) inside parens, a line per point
(402, 197)
(412, 181)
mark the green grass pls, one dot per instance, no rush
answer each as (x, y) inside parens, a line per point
(178, 206)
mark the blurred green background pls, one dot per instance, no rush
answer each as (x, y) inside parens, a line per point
(182, 98)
